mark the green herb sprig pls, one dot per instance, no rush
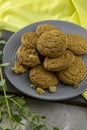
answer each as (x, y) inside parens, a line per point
(14, 109)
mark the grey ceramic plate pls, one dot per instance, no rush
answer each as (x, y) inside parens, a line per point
(22, 82)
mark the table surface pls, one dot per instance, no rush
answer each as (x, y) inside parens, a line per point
(67, 115)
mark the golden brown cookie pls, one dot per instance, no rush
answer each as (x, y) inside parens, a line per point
(74, 74)
(18, 67)
(43, 28)
(52, 43)
(29, 39)
(42, 78)
(60, 63)
(27, 57)
(76, 43)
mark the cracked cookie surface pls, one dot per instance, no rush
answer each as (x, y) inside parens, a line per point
(74, 74)
(52, 43)
(43, 28)
(29, 39)
(60, 63)
(27, 57)
(76, 43)
(42, 78)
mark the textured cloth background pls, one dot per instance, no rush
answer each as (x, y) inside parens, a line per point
(15, 14)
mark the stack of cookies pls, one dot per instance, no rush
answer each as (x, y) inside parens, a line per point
(53, 56)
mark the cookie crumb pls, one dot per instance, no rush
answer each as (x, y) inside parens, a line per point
(40, 91)
(33, 86)
(18, 67)
(52, 89)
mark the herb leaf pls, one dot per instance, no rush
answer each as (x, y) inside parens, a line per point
(2, 42)
(0, 52)
(55, 128)
(2, 82)
(4, 64)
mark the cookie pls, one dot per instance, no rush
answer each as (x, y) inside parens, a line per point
(27, 57)
(18, 67)
(74, 74)
(76, 43)
(42, 78)
(60, 63)
(52, 43)
(29, 39)
(43, 28)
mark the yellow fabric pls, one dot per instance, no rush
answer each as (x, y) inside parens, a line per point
(15, 14)
(85, 95)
